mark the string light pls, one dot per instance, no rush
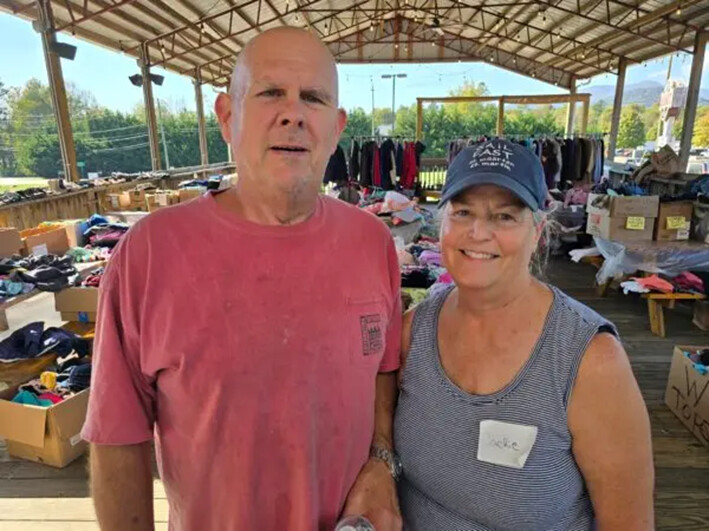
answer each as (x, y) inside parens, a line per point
(433, 44)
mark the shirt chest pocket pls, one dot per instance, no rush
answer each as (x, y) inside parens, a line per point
(367, 323)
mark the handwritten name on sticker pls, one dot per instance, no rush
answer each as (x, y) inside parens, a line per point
(505, 444)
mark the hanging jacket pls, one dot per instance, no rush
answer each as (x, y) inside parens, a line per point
(354, 161)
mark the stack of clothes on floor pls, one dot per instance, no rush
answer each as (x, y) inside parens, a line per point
(46, 273)
(699, 359)
(66, 366)
(685, 282)
(384, 163)
(421, 264)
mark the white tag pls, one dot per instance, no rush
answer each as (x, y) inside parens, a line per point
(505, 444)
(76, 439)
(40, 250)
(162, 200)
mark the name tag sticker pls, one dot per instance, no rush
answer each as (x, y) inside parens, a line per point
(505, 444)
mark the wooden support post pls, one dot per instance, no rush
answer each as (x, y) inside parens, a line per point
(199, 100)
(57, 90)
(149, 103)
(690, 111)
(419, 119)
(617, 107)
(571, 109)
(500, 116)
(584, 115)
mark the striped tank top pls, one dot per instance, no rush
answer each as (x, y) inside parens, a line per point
(437, 428)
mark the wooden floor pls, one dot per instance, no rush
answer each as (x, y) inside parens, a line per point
(34, 497)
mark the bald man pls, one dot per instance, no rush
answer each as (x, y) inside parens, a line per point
(253, 333)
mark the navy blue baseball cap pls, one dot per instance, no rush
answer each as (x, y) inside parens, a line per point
(502, 163)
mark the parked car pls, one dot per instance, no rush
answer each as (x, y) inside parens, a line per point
(698, 166)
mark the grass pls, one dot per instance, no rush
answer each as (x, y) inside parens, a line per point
(12, 184)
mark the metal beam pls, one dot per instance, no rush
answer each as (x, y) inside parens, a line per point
(503, 37)
(690, 111)
(230, 34)
(617, 107)
(90, 16)
(199, 100)
(58, 91)
(195, 24)
(628, 29)
(571, 109)
(149, 104)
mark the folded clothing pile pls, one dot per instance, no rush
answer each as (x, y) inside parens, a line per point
(46, 273)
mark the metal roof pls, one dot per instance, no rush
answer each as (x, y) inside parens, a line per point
(552, 40)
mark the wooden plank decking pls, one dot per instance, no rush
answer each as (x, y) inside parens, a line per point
(35, 497)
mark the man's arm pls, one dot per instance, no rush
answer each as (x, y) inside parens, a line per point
(122, 486)
(374, 493)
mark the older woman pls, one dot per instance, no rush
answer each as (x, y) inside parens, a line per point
(518, 408)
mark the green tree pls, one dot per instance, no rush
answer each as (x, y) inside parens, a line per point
(651, 119)
(700, 136)
(359, 123)
(631, 132)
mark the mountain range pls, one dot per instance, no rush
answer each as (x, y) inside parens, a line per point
(645, 93)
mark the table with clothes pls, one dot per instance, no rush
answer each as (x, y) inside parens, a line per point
(668, 258)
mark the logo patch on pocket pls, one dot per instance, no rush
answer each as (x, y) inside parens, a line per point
(372, 335)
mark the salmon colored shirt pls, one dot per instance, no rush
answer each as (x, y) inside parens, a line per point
(250, 352)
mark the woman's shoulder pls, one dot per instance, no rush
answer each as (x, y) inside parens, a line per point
(571, 310)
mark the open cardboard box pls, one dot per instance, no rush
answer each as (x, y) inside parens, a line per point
(77, 304)
(48, 435)
(687, 394)
(10, 242)
(45, 240)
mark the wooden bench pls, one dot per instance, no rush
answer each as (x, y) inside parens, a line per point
(656, 302)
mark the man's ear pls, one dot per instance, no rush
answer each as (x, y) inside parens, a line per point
(340, 127)
(222, 107)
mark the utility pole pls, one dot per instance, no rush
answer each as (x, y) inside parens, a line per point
(162, 134)
(372, 107)
(393, 95)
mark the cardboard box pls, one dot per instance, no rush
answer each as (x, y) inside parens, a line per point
(701, 315)
(10, 242)
(119, 201)
(624, 206)
(161, 199)
(674, 221)
(78, 317)
(188, 194)
(46, 435)
(687, 394)
(622, 229)
(622, 218)
(45, 240)
(77, 300)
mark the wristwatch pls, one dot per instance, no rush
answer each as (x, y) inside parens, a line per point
(390, 458)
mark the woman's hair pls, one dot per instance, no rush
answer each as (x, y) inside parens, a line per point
(540, 256)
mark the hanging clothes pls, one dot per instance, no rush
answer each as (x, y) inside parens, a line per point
(399, 159)
(376, 168)
(354, 161)
(336, 170)
(386, 158)
(367, 164)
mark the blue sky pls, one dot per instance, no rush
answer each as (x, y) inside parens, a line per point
(105, 73)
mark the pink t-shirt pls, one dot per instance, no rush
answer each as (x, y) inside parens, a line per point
(252, 352)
